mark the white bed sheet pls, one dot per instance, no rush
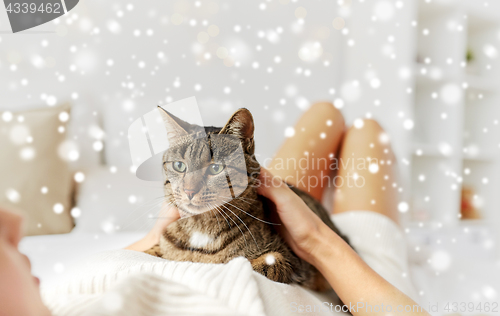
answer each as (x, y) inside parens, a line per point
(51, 255)
(474, 280)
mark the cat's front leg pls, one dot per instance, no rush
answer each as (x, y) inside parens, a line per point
(274, 266)
(154, 251)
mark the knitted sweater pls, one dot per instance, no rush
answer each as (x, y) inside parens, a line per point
(125, 282)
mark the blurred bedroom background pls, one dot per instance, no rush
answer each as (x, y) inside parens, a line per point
(428, 70)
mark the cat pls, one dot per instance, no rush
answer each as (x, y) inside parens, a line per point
(225, 226)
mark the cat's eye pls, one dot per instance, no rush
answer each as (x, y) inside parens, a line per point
(179, 166)
(215, 168)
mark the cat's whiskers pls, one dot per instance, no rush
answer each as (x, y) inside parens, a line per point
(250, 203)
(227, 202)
(229, 225)
(242, 234)
(226, 215)
(245, 198)
(213, 212)
(243, 224)
(159, 197)
(241, 199)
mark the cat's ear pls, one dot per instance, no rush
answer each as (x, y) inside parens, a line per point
(240, 124)
(175, 126)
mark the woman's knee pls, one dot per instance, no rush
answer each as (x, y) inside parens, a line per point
(369, 131)
(327, 111)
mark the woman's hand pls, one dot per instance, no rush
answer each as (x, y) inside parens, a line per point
(168, 214)
(303, 230)
(312, 240)
(19, 291)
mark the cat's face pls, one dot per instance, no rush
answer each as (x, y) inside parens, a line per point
(206, 172)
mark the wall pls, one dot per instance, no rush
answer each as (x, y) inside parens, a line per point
(120, 59)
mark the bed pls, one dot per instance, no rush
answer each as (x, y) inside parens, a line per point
(115, 209)
(51, 255)
(464, 280)
(78, 271)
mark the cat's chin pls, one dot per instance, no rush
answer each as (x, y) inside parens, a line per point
(191, 210)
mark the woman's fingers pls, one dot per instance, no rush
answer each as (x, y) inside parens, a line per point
(11, 226)
(300, 224)
(274, 189)
(292, 211)
(168, 214)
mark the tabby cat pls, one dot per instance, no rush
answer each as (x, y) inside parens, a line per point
(225, 226)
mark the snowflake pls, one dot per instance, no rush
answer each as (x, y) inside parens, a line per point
(270, 259)
(403, 207)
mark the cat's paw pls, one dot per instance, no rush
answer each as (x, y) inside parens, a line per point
(154, 251)
(273, 266)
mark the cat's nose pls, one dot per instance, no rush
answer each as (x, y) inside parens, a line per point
(190, 193)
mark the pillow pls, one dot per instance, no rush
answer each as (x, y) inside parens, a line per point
(113, 199)
(34, 179)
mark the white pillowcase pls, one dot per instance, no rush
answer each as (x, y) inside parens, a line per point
(113, 199)
(34, 176)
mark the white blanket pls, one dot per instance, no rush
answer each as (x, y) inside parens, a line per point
(124, 282)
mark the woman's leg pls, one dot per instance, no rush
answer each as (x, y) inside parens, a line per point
(304, 159)
(359, 186)
(379, 244)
